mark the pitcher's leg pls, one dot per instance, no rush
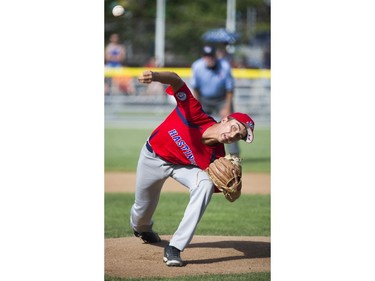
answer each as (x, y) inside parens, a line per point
(149, 181)
(201, 190)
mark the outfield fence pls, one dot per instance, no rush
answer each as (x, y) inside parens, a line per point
(129, 103)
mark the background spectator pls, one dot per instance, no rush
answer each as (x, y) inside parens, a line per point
(115, 54)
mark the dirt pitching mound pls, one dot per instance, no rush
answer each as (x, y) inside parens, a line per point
(129, 257)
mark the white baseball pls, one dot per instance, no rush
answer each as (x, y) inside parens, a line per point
(118, 10)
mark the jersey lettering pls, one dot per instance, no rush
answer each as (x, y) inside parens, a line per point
(182, 145)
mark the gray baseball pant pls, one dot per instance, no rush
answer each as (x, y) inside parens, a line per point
(152, 172)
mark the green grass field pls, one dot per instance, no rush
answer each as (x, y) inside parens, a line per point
(122, 147)
(252, 220)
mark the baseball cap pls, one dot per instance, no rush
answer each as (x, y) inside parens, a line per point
(209, 51)
(247, 122)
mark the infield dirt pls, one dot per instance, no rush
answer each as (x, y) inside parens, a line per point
(125, 182)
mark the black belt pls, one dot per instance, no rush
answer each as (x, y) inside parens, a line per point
(149, 148)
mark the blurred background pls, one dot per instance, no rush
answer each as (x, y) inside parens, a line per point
(185, 24)
(170, 34)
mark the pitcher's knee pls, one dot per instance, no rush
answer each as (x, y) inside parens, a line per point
(204, 183)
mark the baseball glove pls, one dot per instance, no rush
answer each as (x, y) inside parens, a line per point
(225, 173)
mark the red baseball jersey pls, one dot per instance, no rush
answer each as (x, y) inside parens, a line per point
(178, 139)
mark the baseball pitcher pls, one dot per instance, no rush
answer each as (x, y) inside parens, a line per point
(187, 146)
